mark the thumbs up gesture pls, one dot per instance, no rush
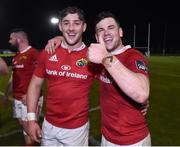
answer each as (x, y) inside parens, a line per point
(97, 51)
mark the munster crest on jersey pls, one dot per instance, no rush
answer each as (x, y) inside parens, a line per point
(22, 58)
(81, 62)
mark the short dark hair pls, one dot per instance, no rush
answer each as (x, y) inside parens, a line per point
(72, 10)
(106, 14)
(21, 32)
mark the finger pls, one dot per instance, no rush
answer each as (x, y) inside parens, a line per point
(36, 139)
(144, 113)
(39, 133)
(56, 46)
(51, 48)
(47, 48)
(100, 39)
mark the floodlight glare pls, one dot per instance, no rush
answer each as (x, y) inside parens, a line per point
(54, 20)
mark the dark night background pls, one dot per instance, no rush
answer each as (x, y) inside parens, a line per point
(35, 16)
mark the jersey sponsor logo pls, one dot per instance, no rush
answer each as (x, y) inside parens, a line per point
(66, 67)
(81, 62)
(141, 65)
(18, 66)
(104, 78)
(66, 74)
(53, 58)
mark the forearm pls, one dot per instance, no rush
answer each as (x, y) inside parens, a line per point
(135, 85)
(33, 95)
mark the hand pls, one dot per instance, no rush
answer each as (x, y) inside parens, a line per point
(144, 108)
(97, 51)
(34, 131)
(53, 44)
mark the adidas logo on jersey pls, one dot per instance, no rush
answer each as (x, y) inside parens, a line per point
(53, 58)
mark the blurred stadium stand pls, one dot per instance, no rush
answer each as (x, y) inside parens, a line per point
(7, 55)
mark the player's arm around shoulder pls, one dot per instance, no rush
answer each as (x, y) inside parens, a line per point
(53, 43)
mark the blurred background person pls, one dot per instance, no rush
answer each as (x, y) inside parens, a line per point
(3, 67)
(23, 65)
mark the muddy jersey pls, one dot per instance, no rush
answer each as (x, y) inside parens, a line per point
(23, 65)
(68, 86)
(122, 121)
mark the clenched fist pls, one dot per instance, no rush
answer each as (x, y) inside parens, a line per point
(97, 51)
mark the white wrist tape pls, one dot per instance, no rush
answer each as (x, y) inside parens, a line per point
(31, 116)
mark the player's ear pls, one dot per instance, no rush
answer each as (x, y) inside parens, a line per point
(84, 27)
(18, 40)
(120, 32)
(60, 28)
(96, 36)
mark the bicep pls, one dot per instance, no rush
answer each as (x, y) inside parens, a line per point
(36, 81)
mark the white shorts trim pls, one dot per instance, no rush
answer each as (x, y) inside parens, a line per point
(20, 110)
(55, 136)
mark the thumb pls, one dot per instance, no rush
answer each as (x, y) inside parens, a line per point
(101, 41)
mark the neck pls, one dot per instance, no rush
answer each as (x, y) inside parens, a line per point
(72, 47)
(23, 47)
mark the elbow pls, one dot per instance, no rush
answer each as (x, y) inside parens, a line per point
(142, 97)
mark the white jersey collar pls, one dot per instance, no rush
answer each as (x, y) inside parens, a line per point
(120, 50)
(75, 49)
(26, 49)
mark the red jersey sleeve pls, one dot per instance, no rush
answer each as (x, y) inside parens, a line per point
(40, 70)
(35, 55)
(137, 62)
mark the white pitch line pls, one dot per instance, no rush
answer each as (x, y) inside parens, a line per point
(92, 140)
(10, 133)
(10, 97)
(94, 109)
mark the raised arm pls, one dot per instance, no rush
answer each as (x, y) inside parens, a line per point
(135, 85)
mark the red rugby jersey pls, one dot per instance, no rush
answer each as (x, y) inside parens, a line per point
(122, 121)
(68, 86)
(23, 65)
